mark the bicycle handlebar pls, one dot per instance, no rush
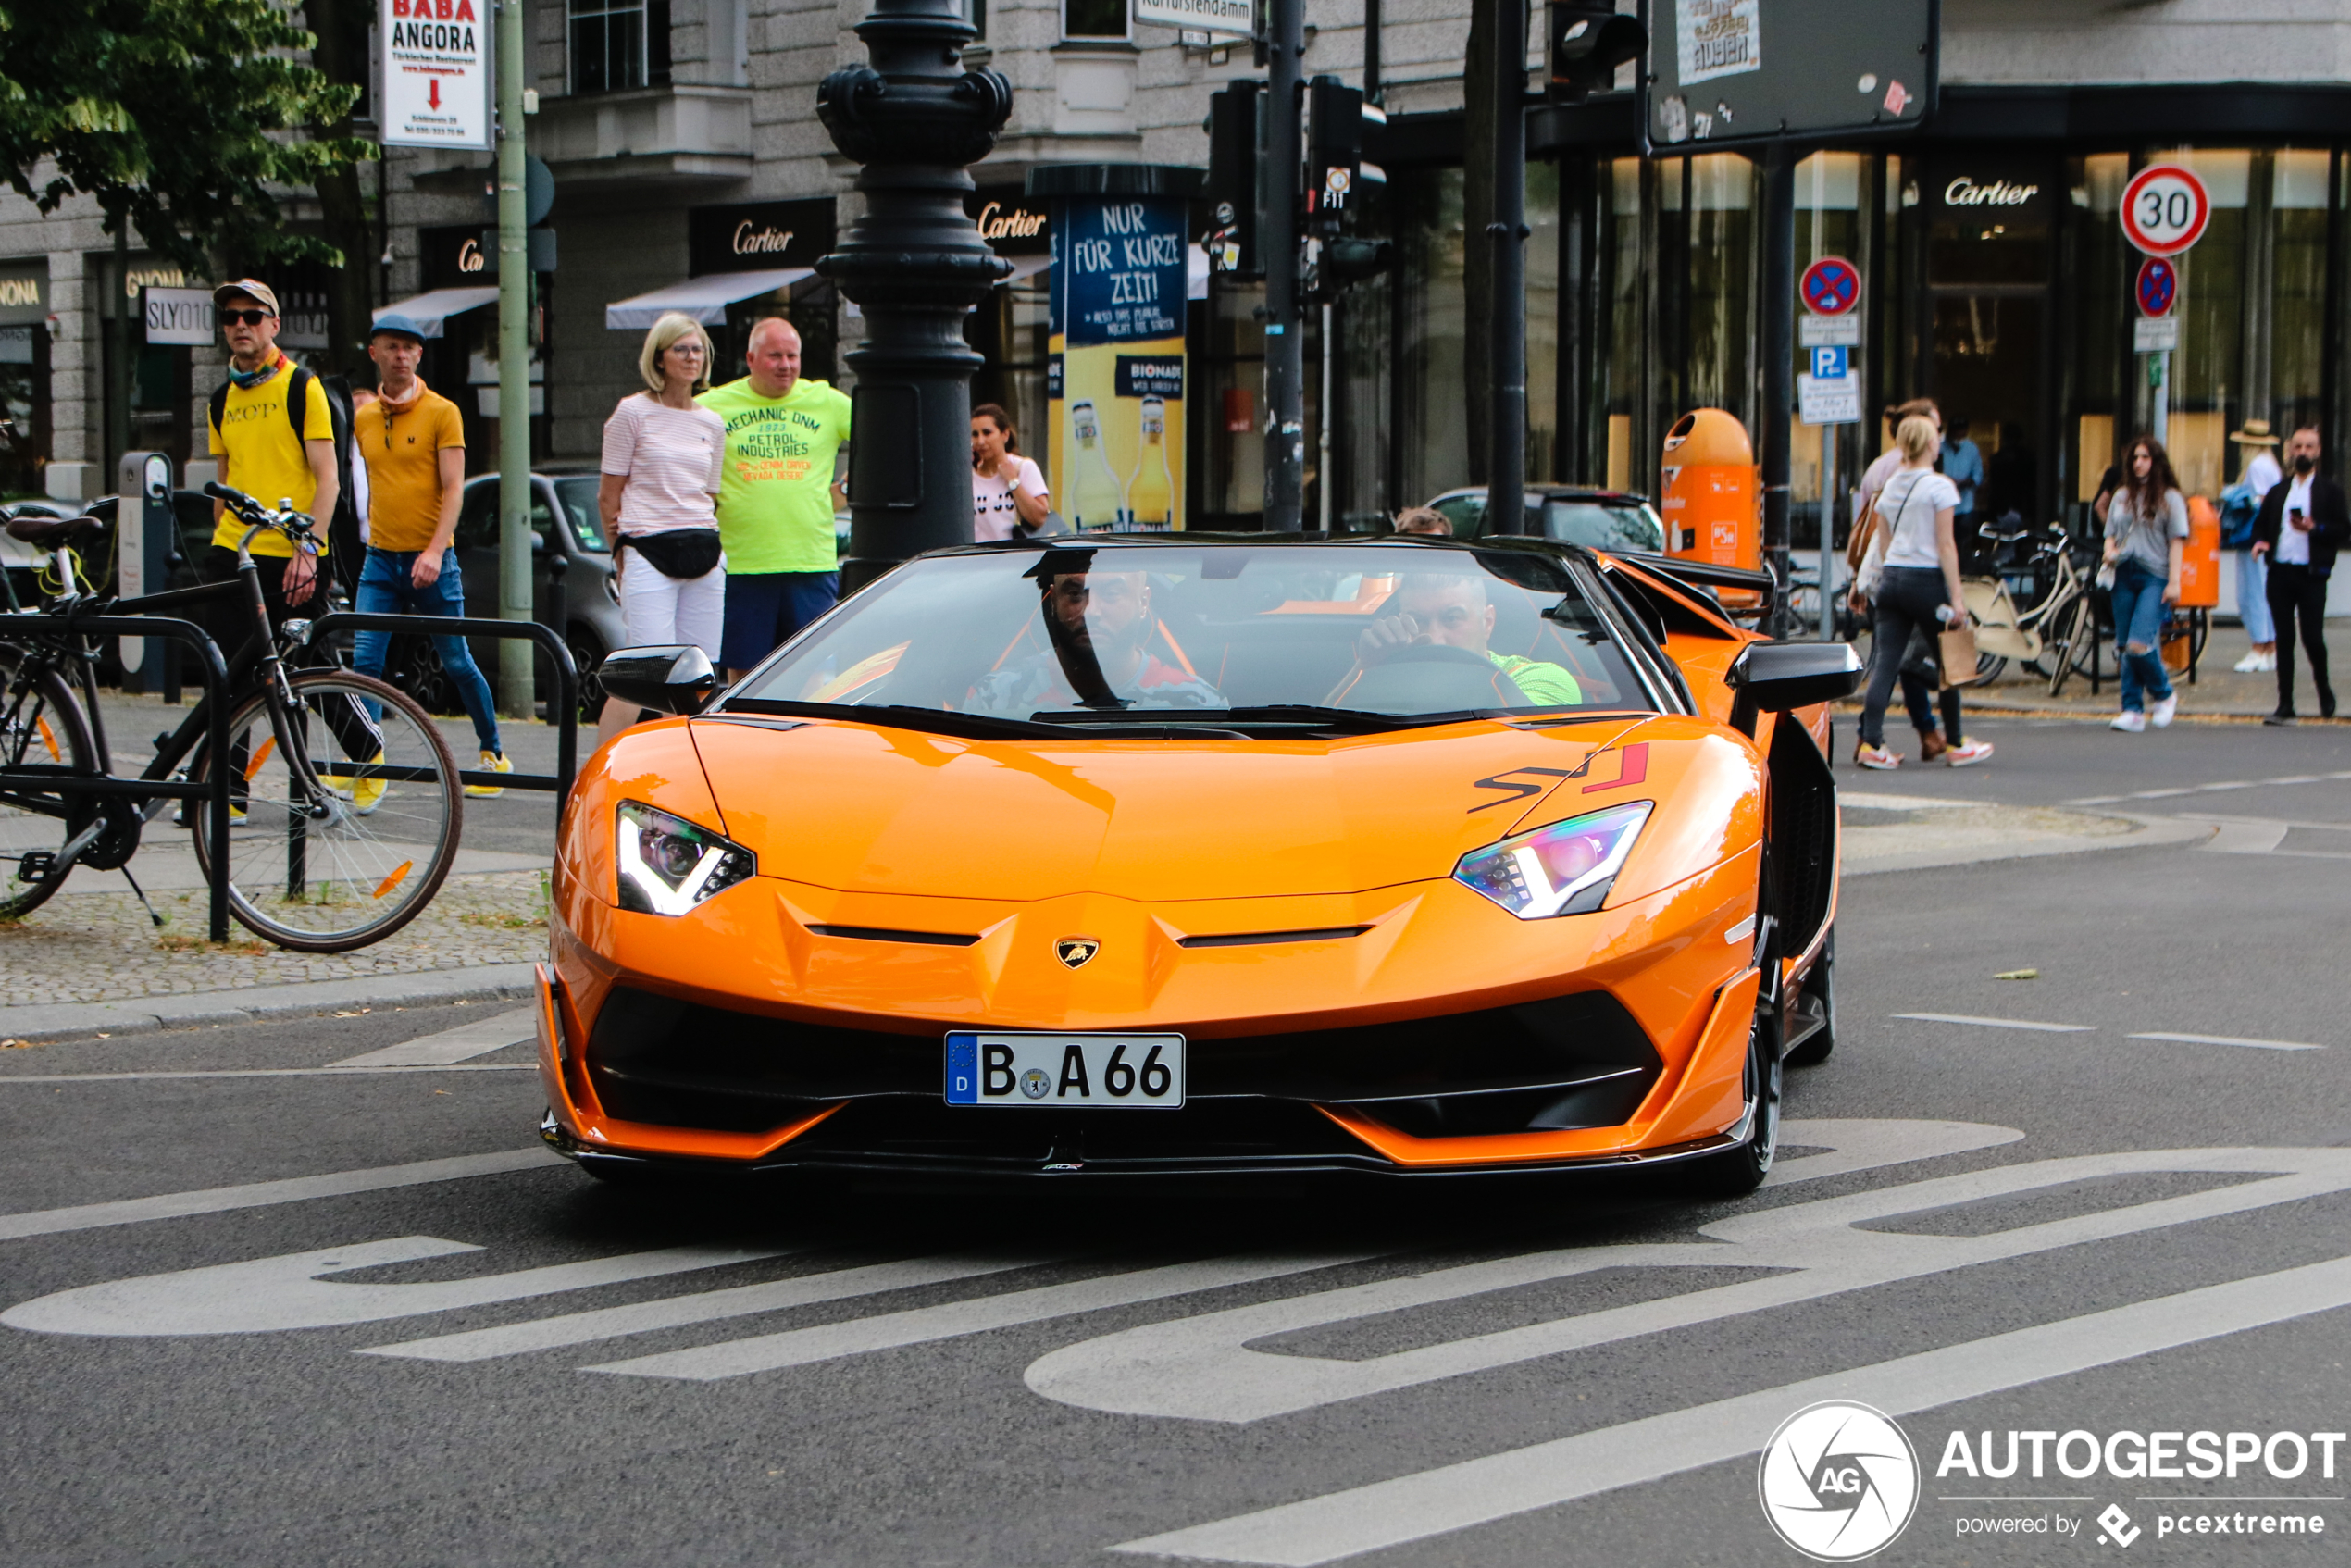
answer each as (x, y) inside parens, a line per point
(294, 524)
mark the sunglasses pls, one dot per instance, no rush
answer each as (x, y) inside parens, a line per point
(245, 318)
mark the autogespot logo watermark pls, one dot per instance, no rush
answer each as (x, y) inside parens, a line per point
(1839, 1481)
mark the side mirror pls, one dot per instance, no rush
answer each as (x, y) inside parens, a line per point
(666, 680)
(1777, 678)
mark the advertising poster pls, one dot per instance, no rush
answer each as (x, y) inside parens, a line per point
(1114, 385)
(436, 73)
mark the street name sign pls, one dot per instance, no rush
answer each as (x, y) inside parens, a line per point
(1230, 18)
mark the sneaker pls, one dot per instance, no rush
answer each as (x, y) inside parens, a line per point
(236, 815)
(2249, 665)
(2268, 665)
(1968, 755)
(1877, 757)
(492, 761)
(2131, 721)
(1932, 745)
(2160, 715)
(367, 792)
(2281, 719)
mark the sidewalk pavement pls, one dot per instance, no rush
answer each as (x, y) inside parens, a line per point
(2219, 694)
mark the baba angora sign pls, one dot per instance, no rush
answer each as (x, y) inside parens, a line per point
(436, 73)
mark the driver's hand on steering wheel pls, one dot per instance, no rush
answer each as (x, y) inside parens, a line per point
(1386, 635)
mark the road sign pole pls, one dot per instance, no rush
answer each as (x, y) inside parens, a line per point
(514, 368)
(1779, 363)
(1828, 525)
(1277, 231)
(1506, 247)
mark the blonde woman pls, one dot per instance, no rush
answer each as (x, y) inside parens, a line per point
(663, 456)
(1917, 589)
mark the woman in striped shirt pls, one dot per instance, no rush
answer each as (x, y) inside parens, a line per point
(663, 459)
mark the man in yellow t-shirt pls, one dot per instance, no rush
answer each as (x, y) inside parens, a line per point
(413, 442)
(274, 448)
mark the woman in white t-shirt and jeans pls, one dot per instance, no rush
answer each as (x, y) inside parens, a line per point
(1009, 499)
(1918, 587)
(663, 456)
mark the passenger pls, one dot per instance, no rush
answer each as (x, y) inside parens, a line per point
(1422, 519)
(1453, 611)
(1099, 624)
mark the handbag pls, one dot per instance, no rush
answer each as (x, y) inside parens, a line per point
(1957, 655)
(683, 554)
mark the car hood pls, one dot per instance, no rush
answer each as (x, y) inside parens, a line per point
(863, 808)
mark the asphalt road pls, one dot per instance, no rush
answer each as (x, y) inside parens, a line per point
(308, 1374)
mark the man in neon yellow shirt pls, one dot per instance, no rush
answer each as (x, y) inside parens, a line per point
(776, 501)
(1452, 611)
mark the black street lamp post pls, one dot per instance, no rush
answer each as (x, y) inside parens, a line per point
(914, 264)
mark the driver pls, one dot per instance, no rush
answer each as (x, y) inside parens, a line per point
(1098, 623)
(1452, 611)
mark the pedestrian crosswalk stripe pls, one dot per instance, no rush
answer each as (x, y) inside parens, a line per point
(2000, 1023)
(709, 1306)
(478, 1037)
(799, 1347)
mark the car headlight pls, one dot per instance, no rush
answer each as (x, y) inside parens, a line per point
(669, 865)
(1566, 868)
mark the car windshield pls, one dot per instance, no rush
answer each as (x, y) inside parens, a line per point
(1077, 634)
(577, 494)
(1602, 525)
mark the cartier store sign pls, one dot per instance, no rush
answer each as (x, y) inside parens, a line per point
(1991, 188)
(754, 236)
(1011, 223)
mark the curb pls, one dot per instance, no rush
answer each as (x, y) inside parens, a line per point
(147, 1014)
(2154, 832)
(1994, 707)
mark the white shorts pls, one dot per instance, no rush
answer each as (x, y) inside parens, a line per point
(659, 609)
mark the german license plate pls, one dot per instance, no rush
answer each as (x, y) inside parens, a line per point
(1040, 1071)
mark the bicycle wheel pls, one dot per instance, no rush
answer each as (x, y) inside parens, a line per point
(42, 729)
(365, 856)
(2077, 629)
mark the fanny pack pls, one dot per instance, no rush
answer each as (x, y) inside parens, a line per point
(683, 554)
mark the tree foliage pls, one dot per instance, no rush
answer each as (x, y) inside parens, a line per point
(178, 115)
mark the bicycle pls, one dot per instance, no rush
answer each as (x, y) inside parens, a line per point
(2002, 632)
(324, 853)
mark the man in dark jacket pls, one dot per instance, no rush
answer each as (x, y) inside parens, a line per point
(2302, 524)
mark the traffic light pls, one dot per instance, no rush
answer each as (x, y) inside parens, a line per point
(1342, 261)
(1587, 42)
(1233, 145)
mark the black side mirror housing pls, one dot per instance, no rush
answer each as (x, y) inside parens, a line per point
(1777, 678)
(670, 680)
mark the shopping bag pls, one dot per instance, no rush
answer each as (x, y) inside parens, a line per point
(1957, 657)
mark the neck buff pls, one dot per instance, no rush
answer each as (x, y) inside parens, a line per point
(384, 401)
(249, 380)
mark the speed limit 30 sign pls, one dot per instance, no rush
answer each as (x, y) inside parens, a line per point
(2165, 209)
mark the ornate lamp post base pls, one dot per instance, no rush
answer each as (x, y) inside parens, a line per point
(916, 265)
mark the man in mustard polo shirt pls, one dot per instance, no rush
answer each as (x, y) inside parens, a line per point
(275, 439)
(413, 442)
(776, 501)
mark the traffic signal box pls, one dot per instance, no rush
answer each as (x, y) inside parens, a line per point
(1334, 151)
(1233, 142)
(1587, 44)
(1712, 505)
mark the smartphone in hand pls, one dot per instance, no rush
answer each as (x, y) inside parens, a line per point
(2301, 524)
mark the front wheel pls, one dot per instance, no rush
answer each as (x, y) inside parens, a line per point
(1739, 1171)
(2077, 631)
(43, 731)
(344, 822)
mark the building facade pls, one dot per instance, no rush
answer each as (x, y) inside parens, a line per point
(689, 168)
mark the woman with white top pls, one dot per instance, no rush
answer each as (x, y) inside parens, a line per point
(663, 456)
(2146, 531)
(1009, 498)
(1916, 587)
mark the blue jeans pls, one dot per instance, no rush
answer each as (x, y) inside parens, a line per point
(2139, 613)
(2252, 597)
(385, 589)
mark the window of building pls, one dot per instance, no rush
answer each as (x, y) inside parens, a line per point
(617, 44)
(1094, 19)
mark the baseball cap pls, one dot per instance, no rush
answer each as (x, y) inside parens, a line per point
(258, 291)
(400, 325)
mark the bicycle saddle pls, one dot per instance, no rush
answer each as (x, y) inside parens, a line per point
(48, 533)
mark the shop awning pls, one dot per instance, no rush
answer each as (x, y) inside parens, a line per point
(704, 298)
(430, 310)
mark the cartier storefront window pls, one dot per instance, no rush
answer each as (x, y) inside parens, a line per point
(768, 236)
(1011, 330)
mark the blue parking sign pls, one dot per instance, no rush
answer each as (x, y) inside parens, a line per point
(1831, 364)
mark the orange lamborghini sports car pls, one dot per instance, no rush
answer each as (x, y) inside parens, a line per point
(1208, 854)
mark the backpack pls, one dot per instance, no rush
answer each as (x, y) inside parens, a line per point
(2237, 511)
(344, 550)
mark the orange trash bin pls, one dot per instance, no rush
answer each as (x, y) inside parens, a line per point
(1713, 505)
(2200, 561)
